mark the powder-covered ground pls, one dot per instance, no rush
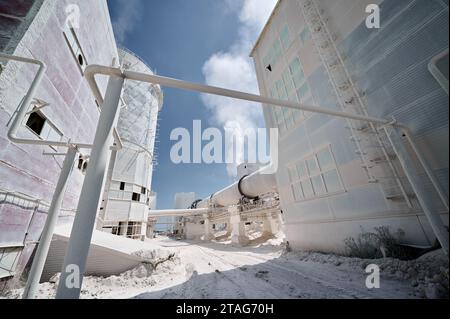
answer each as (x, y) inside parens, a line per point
(265, 270)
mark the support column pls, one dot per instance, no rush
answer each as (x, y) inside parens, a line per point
(80, 239)
(208, 229)
(271, 225)
(238, 235)
(50, 223)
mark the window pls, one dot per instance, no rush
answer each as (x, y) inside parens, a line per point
(41, 126)
(75, 47)
(9, 256)
(292, 87)
(304, 36)
(134, 230)
(284, 38)
(315, 176)
(143, 190)
(136, 197)
(36, 123)
(297, 72)
(122, 186)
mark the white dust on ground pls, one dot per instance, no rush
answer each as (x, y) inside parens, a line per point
(184, 270)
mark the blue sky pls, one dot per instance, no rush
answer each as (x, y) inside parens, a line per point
(202, 41)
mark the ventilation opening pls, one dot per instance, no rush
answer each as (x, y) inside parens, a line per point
(269, 67)
(80, 60)
(136, 197)
(36, 123)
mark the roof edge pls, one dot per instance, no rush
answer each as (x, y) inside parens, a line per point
(266, 26)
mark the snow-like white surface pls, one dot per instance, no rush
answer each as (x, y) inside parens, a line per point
(220, 270)
(109, 241)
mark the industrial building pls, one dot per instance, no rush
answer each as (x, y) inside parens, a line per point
(64, 110)
(128, 195)
(362, 115)
(341, 177)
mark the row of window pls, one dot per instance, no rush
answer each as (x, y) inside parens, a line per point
(315, 176)
(122, 188)
(294, 87)
(131, 230)
(283, 41)
(37, 122)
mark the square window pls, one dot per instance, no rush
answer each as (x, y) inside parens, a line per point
(325, 159)
(307, 188)
(136, 197)
(303, 92)
(332, 181)
(304, 36)
(284, 37)
(319, 187)
(313, 168)
(297, 191)
(301, 170)
(288, 81)
(293, 176)
(36, 122)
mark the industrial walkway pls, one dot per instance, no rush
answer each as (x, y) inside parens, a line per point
(221, 271)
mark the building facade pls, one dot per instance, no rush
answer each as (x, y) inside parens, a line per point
(63, 109)
(128, 191)
(338, 178)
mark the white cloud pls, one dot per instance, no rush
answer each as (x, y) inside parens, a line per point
(127, 19)
(235, 70)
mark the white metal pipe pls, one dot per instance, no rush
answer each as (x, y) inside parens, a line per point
(26, 102)
(426, 201)
(437, 186)
(92, 70)
(177, 212)
(254, 185)
(89, 202)
(50, 223)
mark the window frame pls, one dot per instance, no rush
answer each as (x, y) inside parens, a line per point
(310, 176)
(47, 121)
(68, 29)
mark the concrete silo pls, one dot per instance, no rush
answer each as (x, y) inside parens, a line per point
(128, 196)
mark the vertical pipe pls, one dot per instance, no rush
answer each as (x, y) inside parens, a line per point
(47, 233)
(77, 251)
(427, 202)
(427, 168)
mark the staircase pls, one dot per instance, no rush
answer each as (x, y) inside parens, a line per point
(378, 158)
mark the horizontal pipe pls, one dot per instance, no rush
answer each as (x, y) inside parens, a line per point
(230, 192)
(251, 186)
(177, 212)
(92, 70)
(23, 109)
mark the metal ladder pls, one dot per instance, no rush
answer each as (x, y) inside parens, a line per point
(374, 149)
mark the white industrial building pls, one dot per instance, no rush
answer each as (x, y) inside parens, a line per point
(339, 177)
(128, 195)
(64, 111)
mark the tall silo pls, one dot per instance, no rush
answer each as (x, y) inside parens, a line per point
(128, 194)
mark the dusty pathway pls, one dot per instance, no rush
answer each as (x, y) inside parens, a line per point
(222, 271)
